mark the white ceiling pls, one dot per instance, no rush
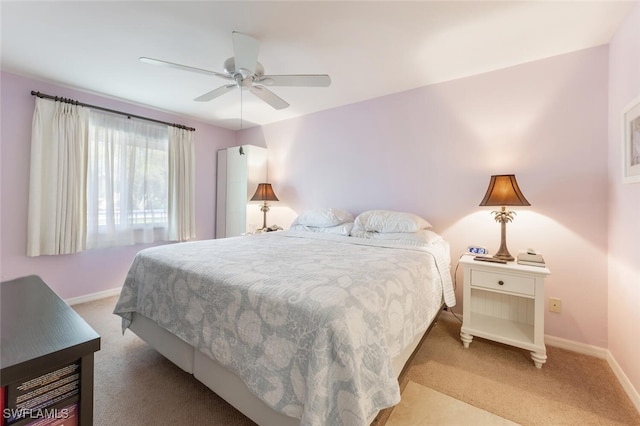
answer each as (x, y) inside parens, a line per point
(369, 49)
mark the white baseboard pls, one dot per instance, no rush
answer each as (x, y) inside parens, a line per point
(573, 346)
(628, 387)
(93, 296)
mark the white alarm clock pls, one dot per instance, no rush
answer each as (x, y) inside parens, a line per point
(477, 250)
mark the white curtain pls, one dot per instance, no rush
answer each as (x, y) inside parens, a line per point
(127, 181)
(100, 179)
(181, 185)
(57, 207)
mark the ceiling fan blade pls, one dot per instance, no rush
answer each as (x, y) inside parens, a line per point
(301, 80)
(162, 63)
(245, 51)
(269, 97)
(215, 93)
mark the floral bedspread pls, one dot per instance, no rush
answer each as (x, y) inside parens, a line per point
(310, 322)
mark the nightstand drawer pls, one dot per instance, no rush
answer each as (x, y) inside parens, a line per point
(503, 282)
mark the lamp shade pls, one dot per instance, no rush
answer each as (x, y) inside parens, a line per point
(264, 193)
(504, 191)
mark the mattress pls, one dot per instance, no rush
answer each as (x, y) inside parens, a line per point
(310, 323)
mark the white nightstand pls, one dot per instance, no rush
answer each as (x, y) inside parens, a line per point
(505, 303)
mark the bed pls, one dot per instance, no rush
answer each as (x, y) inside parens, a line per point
(291, 327)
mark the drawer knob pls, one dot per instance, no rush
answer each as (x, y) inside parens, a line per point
(501, 282)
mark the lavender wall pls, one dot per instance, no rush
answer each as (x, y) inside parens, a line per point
(624, 206)
(431, 151)
(94, 270)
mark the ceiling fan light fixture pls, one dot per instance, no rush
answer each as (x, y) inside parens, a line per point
(248, 73)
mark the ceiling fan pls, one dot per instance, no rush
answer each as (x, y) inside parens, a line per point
(247, 73)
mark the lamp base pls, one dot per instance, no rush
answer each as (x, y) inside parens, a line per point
(264, 209)
(503, 252)
(504, 256)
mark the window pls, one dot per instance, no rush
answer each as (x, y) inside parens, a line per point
(127, 181)
(100, 179)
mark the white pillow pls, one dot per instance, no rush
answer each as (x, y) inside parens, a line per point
(389, 221)
(322, 218)
(342, 229)
(421, 237)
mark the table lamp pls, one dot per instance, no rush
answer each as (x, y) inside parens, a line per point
(264, 193)
(503, 191)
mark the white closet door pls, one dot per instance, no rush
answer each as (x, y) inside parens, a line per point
(240, 170)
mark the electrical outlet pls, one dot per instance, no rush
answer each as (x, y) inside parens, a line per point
(555, 305)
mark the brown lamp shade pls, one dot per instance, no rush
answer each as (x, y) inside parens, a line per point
(504, 191)
(264, 193)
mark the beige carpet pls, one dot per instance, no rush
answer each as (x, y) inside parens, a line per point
(134, 385)
(423, 406)
(570, 389)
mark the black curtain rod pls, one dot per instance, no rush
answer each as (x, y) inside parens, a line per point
(74, 102)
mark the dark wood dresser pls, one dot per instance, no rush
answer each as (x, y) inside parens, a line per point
(46, 375)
